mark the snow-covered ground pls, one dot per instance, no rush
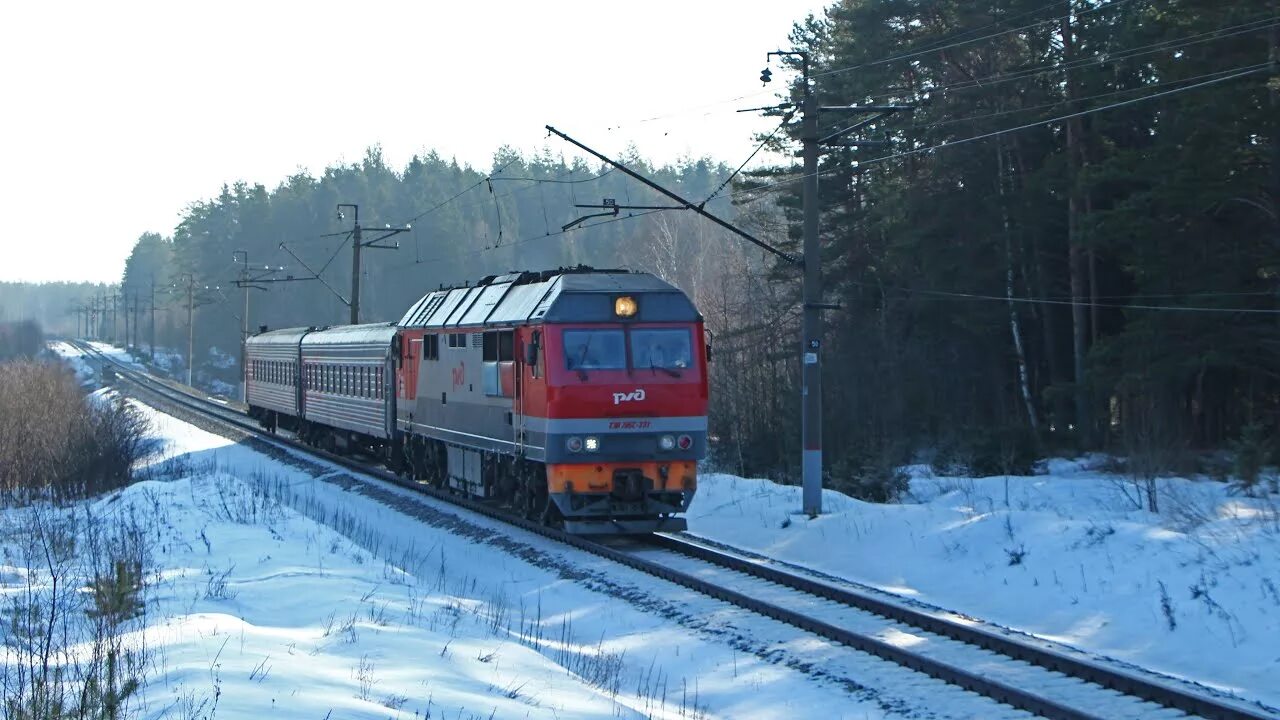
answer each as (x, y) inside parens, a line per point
(263, 610)
(279, 587)
(353, 604)
(1193, 591)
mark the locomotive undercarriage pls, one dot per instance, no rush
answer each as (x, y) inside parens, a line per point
(629, 505)
(633, 498)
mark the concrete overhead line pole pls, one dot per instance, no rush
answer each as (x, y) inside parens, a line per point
(124, 301)
(244, 319)
(248, 282)
(812, 142)
(811, 294)
(357, 244)
(187, 282)
(811, 266)
(152, 344)
(136, 328)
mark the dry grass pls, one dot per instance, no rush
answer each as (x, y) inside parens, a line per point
(57, 445)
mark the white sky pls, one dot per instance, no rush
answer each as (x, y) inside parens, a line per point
(119, 114)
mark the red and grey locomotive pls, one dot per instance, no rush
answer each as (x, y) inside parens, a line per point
(573, 396)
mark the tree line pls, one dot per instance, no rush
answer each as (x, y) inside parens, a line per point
(1071, 243)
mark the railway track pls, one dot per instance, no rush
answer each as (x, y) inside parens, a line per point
(1018, 672)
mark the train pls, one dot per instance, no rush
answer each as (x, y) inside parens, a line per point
(574, 397)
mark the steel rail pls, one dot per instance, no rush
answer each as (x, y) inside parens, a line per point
(1048, 658)
(1017, 697)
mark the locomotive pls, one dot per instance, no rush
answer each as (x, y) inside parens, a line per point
(575, 397)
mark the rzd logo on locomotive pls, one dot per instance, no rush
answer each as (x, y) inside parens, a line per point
(637, 394)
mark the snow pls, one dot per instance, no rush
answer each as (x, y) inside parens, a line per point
(1192, 591)
(281, 587)
(345, 599)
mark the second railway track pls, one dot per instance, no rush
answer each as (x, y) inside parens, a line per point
(1018, 673)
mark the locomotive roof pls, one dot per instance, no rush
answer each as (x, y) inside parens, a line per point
(567, 295)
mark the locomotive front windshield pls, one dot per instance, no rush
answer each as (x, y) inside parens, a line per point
(595, 350)
(606, 349)
(662, 348)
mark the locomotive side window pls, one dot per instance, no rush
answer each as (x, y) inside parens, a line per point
(431, 347)
(506, 346)
(532, 352)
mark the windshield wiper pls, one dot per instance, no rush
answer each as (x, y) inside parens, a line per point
(582, 357)
(670, 371)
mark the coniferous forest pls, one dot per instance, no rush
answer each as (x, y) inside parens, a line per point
(1071, 243)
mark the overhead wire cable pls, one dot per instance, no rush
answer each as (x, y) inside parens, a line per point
(951, 38)
(1112, 93)
(785, 119)
(963, 141)
(961, 43)
(1046, 301)
(1100, 58)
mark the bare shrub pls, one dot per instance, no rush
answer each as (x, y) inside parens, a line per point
(57, 445)
(71, 646)
(21, 339)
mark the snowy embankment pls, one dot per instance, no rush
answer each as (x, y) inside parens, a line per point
(1193, 591)
(253, 607)
(264, 606)
(280, 587)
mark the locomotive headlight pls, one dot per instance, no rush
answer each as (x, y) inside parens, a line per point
(685, 442)
(625, 306)
(592, 443)
(574, 444)
(666, 442)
